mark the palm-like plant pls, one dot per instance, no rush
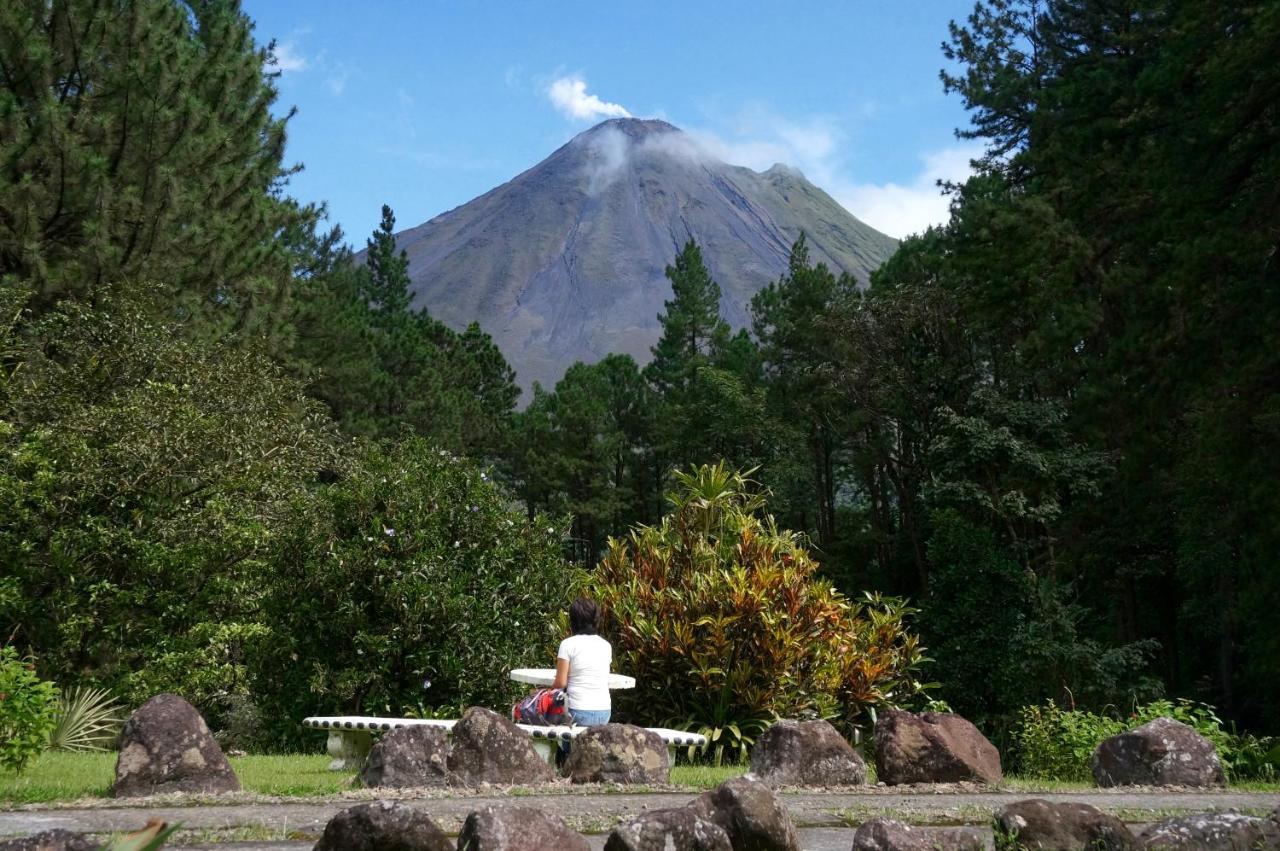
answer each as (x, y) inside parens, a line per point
(88, 720)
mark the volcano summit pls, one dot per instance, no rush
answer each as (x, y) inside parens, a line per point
(565, 262)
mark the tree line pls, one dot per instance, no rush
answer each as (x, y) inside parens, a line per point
(1051, 421)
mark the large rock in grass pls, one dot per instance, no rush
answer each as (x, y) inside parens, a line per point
(1163, 752)
(1213, 832)
(51, 840)
(408, 757)
(618, 753)
(933, 747)
(382, 826)
(518, 829)
(750, 813)
(488, 748)
(806, 753)
(884, 834)
(167, 747)
(1039, 824)
(669, 830)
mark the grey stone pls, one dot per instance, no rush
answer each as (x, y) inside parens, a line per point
(1039, 824)
(167, 747)
(750, 813)
(884, 834)
(679, 829)
(408, 757)
(618, 753)
(517, 829)
(1213, 832)
(1163, 752)
(51, 840)
(933, 747)
(806, 753)
(382, 826)
(488, 748)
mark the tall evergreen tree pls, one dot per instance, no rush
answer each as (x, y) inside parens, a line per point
(137, 142)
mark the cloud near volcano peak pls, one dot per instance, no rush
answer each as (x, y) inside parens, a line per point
(569, 95)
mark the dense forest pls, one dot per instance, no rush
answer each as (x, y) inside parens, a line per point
(1051, 423)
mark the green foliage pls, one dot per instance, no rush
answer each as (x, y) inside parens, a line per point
(144, 477)
(410, 581)
(583, 450)
(1004, 636)
(88, 719)
(1058, 743)
(139, 143)
(722, 619)
(387, 370)
(28, 710)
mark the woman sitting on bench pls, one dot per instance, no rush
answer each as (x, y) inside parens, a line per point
(582, 666)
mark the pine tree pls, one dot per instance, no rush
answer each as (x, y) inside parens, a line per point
(137, 142)
(691, 323)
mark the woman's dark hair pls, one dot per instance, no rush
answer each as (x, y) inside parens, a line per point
(584, 616)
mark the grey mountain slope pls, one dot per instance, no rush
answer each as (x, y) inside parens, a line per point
(565, 262)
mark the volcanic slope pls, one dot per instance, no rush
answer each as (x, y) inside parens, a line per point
(565, 262)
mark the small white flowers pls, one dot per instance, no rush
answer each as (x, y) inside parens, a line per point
(388, 531)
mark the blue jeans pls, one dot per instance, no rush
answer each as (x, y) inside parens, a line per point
(589, 717)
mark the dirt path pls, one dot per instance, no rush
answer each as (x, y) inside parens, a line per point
(597, 812)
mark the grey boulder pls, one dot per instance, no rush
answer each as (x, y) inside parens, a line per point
(669, 830)
(382, 826)
(618, 753)
(884, 834)
(517, 829)
(933, 747)
(1039, 824)
(1163, 752)
(1213, 832)
(408, 757)
(806, 753)
(488, 748)
(750, 813)
(167, 747)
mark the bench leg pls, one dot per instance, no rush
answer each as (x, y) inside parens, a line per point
(546, 749)
(671, 756)
(348, 749)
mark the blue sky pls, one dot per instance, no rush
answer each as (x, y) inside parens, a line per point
(425, 105)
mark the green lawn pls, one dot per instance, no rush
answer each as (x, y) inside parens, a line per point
(67, 776)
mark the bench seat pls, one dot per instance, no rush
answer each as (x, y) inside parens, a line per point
(351, 736)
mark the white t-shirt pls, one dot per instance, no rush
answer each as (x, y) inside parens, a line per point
(589, 658)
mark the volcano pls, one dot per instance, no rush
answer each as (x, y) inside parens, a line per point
(565, 262)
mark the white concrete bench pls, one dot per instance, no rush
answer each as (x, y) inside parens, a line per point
(351, 736)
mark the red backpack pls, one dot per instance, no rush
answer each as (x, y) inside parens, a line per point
(545, 707)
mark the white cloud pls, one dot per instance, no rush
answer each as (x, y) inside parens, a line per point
(287, 57)
(758, 138)
(903, 209)
(569, 95)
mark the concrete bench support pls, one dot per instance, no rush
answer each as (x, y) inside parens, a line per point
(351, 737)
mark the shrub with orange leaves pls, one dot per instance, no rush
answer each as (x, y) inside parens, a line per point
(725, 623)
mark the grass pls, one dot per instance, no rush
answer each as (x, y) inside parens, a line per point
(61, 776)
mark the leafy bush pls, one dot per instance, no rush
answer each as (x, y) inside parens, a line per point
(1059, 743)
(143, 476)
(28, 707)
(410, 581)
(723, 621)
(88, 719)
